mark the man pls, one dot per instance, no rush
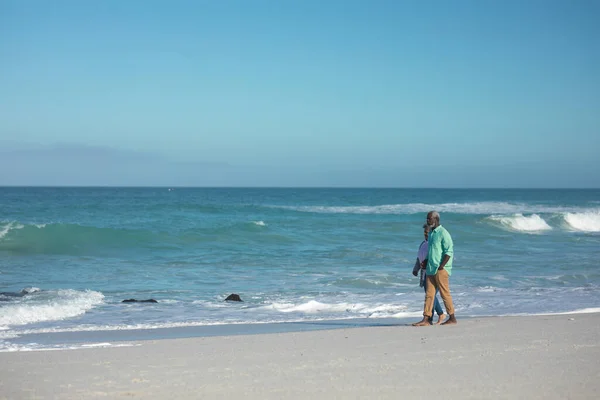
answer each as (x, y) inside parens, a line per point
(438, 270)
(420, 265)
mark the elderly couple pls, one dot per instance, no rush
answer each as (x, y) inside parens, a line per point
(435, 263)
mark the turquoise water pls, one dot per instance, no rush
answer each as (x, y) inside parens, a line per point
(69, 256)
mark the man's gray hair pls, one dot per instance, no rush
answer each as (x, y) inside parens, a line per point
(434, 215)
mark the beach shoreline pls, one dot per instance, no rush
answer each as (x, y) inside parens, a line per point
(66, 340)
(551, 356)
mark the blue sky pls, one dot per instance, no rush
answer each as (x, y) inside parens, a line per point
(300, 93)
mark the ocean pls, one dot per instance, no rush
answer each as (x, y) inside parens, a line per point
(298, 258)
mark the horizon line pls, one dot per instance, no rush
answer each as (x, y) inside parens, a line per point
(289, 187)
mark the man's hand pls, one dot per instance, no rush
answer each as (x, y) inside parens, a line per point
(424, 264)
(414, 273)
(444, 262)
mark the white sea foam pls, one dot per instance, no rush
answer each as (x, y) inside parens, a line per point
(56, 305)
(583, 222)
(582, 311)
(486, 207)
(488, 289)
(259, 223)
(311, 306)
(11, 225)
(30, 290)
(578, 311)
(412, 314)
(522, 223)
(92, 345)
(10, 347)
(4, 229)
(390, 311)
(169, 301)
(356, 309)
(10, 334)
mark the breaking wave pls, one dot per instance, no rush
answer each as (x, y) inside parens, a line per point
(477, 208)
(522, 223)
(583, 222)
(63, 238)
(55, 305)
(57, 238)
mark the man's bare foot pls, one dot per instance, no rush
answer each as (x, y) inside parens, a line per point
(451, 320)
(441, 319)
(424, 322)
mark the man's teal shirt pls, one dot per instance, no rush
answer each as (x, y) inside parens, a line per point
(440, 244)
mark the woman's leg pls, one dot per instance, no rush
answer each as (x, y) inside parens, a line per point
(436, 304)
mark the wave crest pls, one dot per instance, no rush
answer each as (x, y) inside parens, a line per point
(583, 222)
(58, 238)
(478, 208)
(522, 223)
(50, 306)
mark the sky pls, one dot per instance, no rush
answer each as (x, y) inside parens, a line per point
(300, 93)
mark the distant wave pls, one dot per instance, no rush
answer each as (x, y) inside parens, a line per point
(521, 223)
(584, 222)
(49, 306)
(477, 208)
(572, 221)
(57, 238)
(62, 238)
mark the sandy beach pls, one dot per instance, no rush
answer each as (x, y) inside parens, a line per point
(542, 357)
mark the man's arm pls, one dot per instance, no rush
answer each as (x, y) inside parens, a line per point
(447, 249)
(444, 262)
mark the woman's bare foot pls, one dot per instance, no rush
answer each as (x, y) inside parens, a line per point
(442, 318)
(424, 322)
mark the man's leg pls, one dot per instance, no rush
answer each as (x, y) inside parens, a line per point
(443, 284)
(425, 289)
(428, 307)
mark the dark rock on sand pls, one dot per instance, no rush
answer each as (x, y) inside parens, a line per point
(233, 297)
(139, 301)
(5, 296)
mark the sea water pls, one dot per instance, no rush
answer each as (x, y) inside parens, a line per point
(69, 256)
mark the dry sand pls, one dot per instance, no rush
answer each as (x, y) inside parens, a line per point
(543, 357)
